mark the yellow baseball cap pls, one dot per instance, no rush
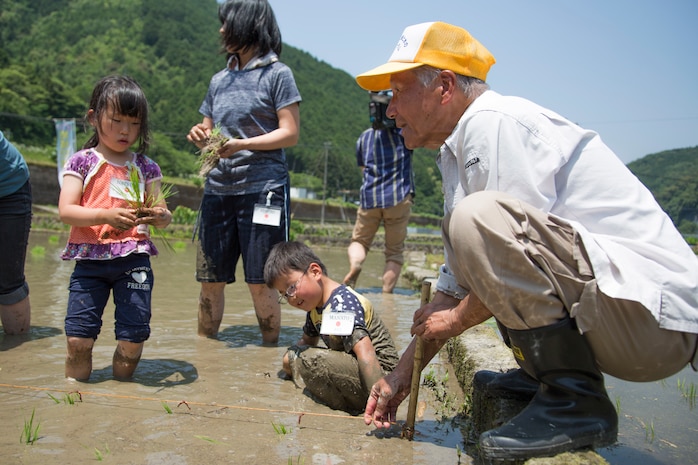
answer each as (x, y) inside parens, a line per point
(436, 44)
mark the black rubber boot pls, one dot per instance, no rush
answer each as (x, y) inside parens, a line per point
(513, 384)
(570, 410)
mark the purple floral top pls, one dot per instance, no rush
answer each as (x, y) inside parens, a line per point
(101, 181)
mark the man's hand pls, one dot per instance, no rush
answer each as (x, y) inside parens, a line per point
(448, 317)
(439, 320)
(385, 397)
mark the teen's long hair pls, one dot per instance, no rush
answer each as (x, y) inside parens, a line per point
(126, 98)
(250, 25)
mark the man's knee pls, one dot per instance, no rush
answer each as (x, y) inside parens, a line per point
(477, 207)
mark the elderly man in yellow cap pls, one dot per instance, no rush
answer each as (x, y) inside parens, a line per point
(547, 231)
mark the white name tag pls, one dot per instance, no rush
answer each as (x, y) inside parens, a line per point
(266, 214)
(337, 324)
(122, 189)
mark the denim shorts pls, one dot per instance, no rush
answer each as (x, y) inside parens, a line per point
(226, 232)
(131, 279)
(15, 223)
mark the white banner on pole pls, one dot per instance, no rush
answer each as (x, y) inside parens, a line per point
(65, 143)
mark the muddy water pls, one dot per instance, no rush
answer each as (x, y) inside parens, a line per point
(228, 404)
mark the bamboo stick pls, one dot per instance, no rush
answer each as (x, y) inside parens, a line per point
(408, 427)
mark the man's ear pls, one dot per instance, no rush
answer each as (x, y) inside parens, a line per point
(449, 81)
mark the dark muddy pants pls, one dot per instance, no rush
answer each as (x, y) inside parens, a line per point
(332, 377)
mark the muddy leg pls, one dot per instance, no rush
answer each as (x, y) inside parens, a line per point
(268, 310)
(126, 358)
(16, 318)
(78, 360)
(211, 306)
(391, 274)
(357, 255)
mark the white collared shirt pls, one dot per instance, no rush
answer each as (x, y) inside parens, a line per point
(512, 145)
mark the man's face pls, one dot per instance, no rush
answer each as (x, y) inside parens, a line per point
(415, 110)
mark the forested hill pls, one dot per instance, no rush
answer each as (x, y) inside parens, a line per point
(53, 51)
(672, 176)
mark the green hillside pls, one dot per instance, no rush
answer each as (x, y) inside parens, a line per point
(672, 176)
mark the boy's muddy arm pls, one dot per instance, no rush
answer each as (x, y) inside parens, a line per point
(369, 367)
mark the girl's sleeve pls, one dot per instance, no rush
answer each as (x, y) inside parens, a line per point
(150, 169)
(79, 164)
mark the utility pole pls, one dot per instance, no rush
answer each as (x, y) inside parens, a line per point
(324, 185)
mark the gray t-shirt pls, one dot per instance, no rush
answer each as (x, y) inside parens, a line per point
(244, 103)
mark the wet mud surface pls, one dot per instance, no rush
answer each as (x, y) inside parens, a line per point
(195, 400)
(227, 401)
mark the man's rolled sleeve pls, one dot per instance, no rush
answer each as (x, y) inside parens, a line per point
(448, 285)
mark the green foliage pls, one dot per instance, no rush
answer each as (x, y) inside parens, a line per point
(295, 229)
(172, 161)
(166, 407)
(69, 398)
(30, 432)
(99, 455)
(427, 179)
(305, 180)
(184, 215)
(172, 48)
(672, 176)
(280, 428)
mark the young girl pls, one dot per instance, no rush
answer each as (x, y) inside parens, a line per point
(360, 350)
(109, 240)
(255, 102)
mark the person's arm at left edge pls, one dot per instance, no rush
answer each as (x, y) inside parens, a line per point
(286, 135)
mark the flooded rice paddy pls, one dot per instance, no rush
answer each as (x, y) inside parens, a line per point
(203, 401)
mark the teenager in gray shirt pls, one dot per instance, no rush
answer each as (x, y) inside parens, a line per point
(245, 206)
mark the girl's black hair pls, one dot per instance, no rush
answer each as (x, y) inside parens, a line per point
(250, 25)
(126, 98)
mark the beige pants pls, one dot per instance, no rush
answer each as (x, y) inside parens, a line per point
(531, 271)
(395, 220)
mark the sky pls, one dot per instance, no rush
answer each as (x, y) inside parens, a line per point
(627, 69)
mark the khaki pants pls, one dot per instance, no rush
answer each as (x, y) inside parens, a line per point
(395, 220)
(530, 271)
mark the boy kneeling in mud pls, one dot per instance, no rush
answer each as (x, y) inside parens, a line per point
(359, 348)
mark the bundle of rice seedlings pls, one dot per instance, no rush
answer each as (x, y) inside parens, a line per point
(209, 153)
(140, 200)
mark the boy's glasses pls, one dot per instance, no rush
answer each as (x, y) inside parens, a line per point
(292, 289)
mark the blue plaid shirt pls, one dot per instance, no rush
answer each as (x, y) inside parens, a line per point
(387, 167)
